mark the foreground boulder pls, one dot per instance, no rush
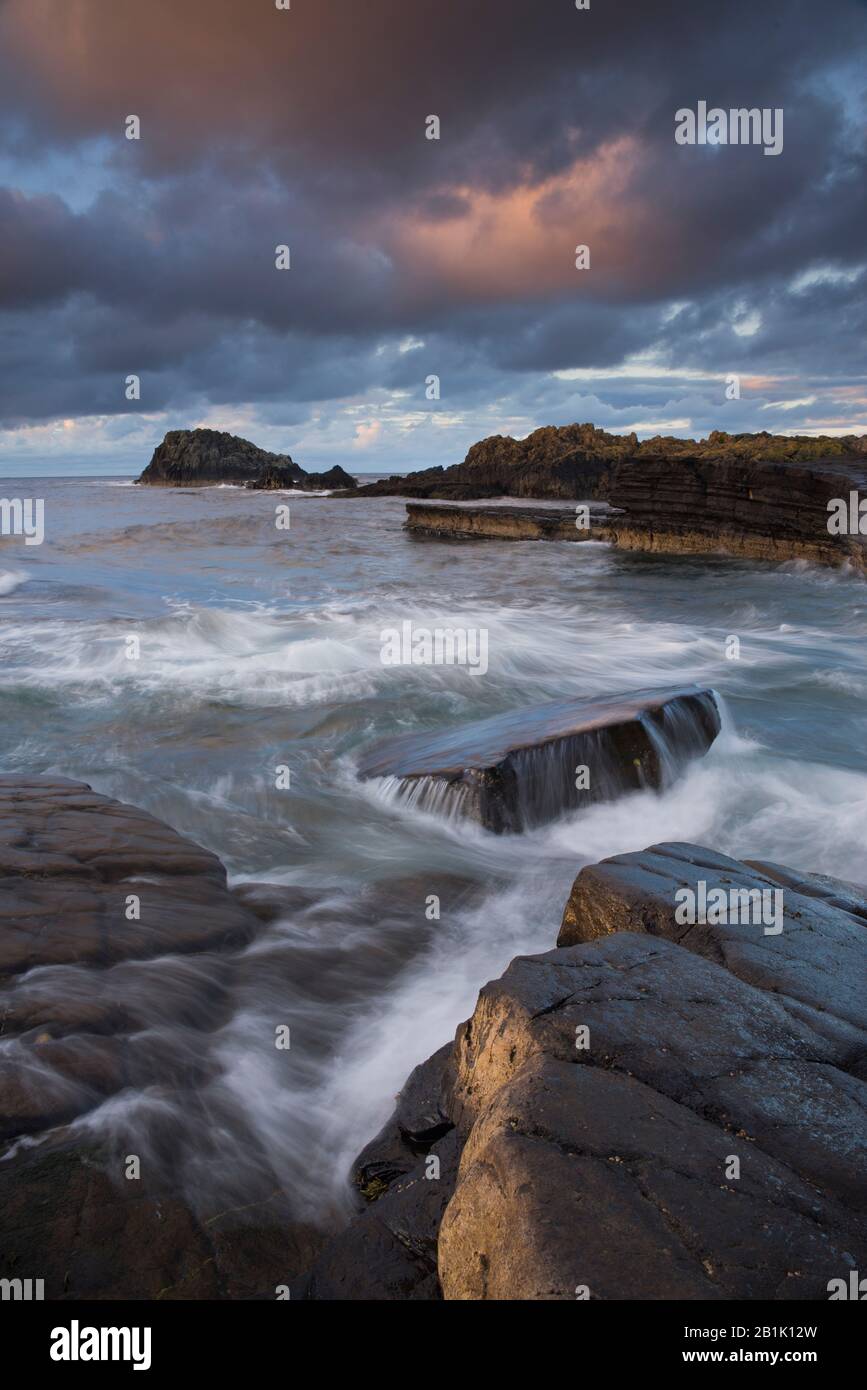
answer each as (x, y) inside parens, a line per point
(68, 1216)
(633, 1118)
(518, 770)
(199, 458)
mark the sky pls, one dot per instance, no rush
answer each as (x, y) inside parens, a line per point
(410, 257)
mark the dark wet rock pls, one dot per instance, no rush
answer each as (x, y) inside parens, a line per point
(601, 1163)
(97, 1008)
(71, 1217)
(419, 1120)
(68, 860)
(518, 770)
(204, 457)
(279, 477)
(78, 1002)
(389, 1251)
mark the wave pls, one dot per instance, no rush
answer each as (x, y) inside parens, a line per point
(10, 580)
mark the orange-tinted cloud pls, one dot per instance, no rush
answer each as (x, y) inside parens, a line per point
(522, 240)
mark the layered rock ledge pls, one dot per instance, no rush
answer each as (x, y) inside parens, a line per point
(766, 509)
(518, 770)
(502, 523)
(654, 1112)
(761, 510)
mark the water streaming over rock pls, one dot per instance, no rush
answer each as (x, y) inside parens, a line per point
(521, 770)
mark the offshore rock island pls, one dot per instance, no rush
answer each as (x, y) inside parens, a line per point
(204, 458)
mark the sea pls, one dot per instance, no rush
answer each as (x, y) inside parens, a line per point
(260, 647)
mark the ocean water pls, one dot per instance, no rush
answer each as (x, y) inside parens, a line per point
(261, 648)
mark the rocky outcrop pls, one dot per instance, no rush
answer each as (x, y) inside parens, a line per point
(566, 461)
(654, 1112)
(197, 458)
(580, 462)
(518, 770)
(70, 1217)
(113, 926)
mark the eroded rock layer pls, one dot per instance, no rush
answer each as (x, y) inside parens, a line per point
(767, 509)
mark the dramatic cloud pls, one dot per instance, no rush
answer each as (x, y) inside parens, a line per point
(456, 257)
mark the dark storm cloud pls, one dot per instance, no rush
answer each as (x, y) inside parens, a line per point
(306, 127)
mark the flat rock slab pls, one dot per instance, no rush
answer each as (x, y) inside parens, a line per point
(504, 523)
(518, 770)
(637, 1117)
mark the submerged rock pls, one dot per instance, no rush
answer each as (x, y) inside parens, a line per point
(637, 1118)
(522, 769)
